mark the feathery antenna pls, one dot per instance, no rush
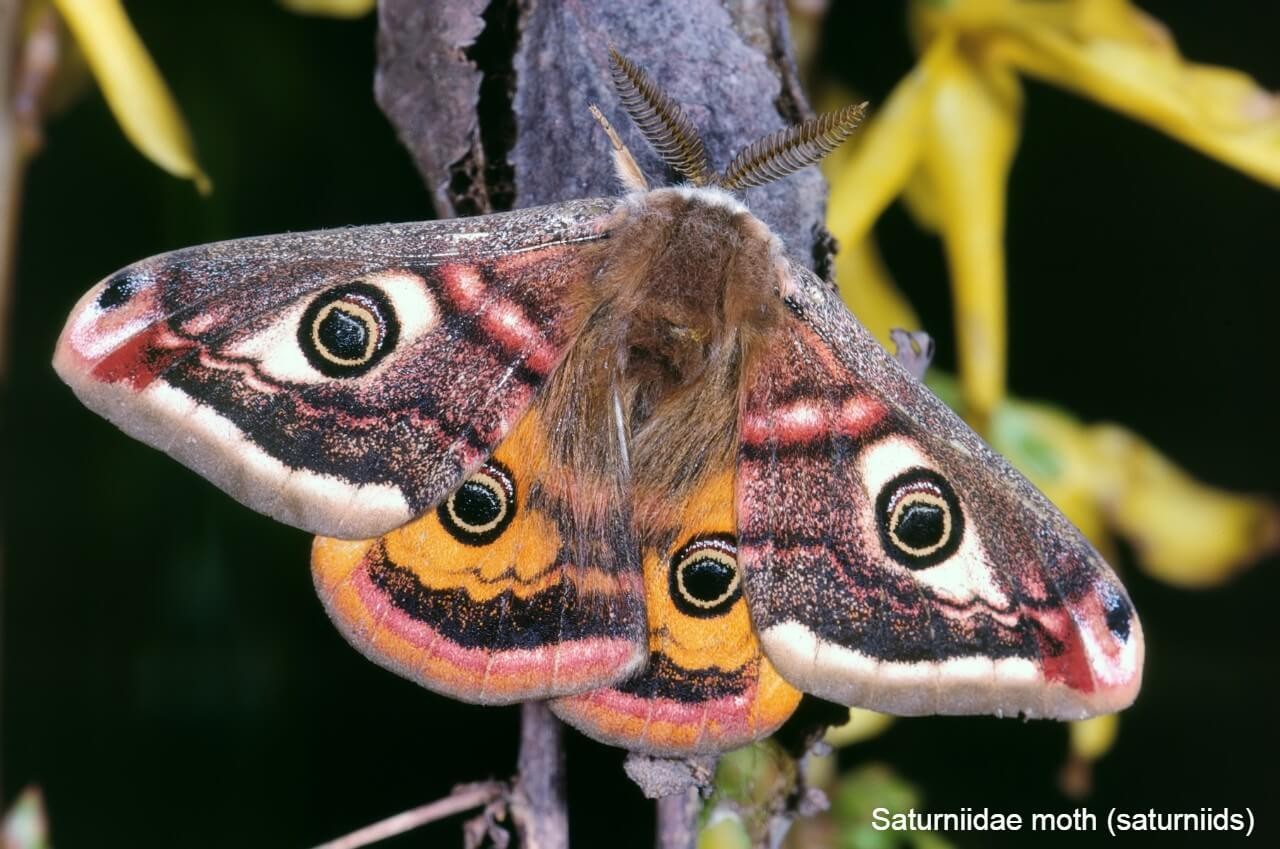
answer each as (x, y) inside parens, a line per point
(787, 151)
(660, 119)
(624, 164)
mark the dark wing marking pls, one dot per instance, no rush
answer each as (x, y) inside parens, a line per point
(893, 560)
(340, 381)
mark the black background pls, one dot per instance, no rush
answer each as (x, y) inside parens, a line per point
(168, 675)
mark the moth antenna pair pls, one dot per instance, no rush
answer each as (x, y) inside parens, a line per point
(668, 129)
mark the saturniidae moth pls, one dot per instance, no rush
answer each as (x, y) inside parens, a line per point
(620, 454)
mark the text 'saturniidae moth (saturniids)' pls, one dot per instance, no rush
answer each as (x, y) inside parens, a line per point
(620, 454)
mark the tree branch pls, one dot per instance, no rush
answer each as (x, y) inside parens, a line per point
(491, 98)
(539, 809)
(678, 820)
(463, 798)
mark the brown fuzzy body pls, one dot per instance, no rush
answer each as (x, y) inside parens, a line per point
(647, 398)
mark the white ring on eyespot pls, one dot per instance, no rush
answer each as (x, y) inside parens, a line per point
(900, 502)
(967, 573)
(273, 346)
(372, 327)
(490, 483)
(719, 556)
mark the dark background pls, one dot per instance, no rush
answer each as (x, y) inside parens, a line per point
(168, 675)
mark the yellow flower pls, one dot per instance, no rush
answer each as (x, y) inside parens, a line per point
(862, 725)
(330, 8)
(1087, 741)
(132, 86)
(945, 137)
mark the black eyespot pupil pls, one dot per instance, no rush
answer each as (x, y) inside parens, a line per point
(920, 525)
(117, 292)
(344, 335)
(476, 504)
(482, 508)
(707, 579)
(703, 576)
(347, 330)
(920, 519)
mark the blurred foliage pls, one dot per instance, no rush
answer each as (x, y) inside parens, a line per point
(749, 803)
(945, 137)
(1087, 741)
(854, 796)
(133, 86)
(862, 725)
(26, 825)
(330, 8)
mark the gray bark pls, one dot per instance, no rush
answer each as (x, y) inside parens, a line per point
(491, 98)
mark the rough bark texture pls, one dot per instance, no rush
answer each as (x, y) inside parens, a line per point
(491, 98)
(429, 87)
(538, 805)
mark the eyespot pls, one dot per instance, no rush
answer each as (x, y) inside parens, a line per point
(479, 511)
(118, 292)
(347, 330)
(705, 579)
(920, 519)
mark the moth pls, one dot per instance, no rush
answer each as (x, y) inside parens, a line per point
(620, 454)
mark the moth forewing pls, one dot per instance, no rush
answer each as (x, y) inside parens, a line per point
(203, 353)
(893, 561)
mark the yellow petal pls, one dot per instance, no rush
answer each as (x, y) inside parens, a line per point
(921, 200)
(862, 725)
(927, 19)
(1221, 112)
(887, 149)
(869, 291)
(132, 86)
(971, 140)
(1090, 739)
(1183, 532)
(330, 8)
(1118, 20)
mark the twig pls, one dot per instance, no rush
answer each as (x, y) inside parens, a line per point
(26, 67)
(463, 798)
(536, 797)
(677, 820)
(30, 63)
(539, 809)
